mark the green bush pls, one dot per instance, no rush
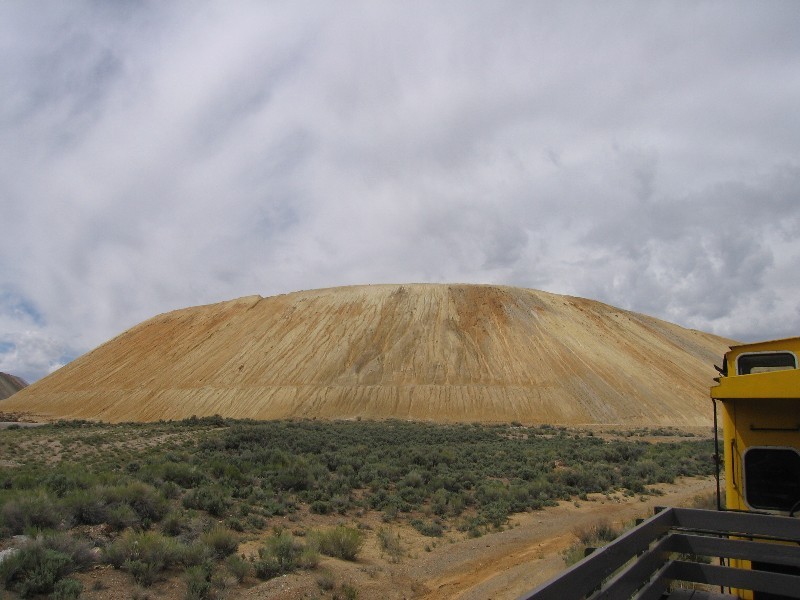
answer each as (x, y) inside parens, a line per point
(238, 567)
(121, 517)
(326, 581)
(37, 567)
(67, 589)
(144, 555)
(223, 542)
(35, 510)
(207, 498)
(308, 559)
(593, 536)
(87, 507)
(390, 544)
(34, 570)
(270, 468)
(198, 583)
(174, 524)
(340, 542)
(192, 555)
(146, 501)
(182, 474)
(348, 592)
(278, 556)
(428, 528)
(144, 573)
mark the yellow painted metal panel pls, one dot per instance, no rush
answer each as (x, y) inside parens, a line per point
(758, 410)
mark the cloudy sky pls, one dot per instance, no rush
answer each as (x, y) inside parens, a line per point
(157, 155)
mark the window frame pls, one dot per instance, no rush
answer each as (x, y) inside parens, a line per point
(745, 495)
(764, 353)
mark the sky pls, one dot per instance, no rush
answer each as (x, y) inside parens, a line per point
(157, 155)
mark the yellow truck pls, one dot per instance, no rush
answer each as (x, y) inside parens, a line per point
(759, 394)
(748, 549)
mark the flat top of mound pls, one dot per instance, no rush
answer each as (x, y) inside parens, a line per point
(421, 351)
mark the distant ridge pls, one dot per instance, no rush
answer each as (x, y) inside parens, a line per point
(9, 384)
(432, 352)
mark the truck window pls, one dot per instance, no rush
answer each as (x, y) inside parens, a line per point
(762, 362)
(772, 478)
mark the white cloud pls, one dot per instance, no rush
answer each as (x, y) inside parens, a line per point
(155, 156)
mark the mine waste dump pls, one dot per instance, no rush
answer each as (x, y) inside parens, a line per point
(423, 352)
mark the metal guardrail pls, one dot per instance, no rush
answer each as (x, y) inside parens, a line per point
(644, 562)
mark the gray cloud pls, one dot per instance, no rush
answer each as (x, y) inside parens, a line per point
(160, 155)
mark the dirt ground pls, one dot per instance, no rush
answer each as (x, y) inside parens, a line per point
(497, 566)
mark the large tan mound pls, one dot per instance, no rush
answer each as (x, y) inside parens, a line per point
(422, 352)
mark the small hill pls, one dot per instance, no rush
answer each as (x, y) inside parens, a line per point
(9, 384)
(424, 352)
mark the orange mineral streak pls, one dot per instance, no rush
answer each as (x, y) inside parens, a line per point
(441, 353)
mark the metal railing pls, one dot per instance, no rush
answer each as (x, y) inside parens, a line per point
(669, 547)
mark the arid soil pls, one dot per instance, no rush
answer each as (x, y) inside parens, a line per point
(446, 353)
(499, 565)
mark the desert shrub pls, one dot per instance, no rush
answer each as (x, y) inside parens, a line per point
(60, 483)
(320, 507)
(278, 556)
(256, 522)
(37, 567)
(207, 498)
(496, 513)
(428, 528)
(326, 581)
(223, 542)
(198, 583)
(708, 501)
(238, 567)
(347, 592)
(67, 589)
(121, 517)
(144, 555)
(146, 501)
(193, 554)
(37, 510)
(144, 573)
(118, 551)
(170, 490)
(79, 551)
(270, 467)
(389, 543)
(182, 474)
(33, 570)
(174, 524)
(87, 507)
(235, 524)
(309, 558)
(340, 542)
(592, 536)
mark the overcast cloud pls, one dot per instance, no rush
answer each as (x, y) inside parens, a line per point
(158, 155)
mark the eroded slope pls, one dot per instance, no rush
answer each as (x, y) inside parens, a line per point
(424, 352)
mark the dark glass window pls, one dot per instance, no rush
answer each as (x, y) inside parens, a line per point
(765, 361)
(772, 478)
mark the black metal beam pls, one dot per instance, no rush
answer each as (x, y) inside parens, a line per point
(779, 554)
(748, 579)
(741, 524)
